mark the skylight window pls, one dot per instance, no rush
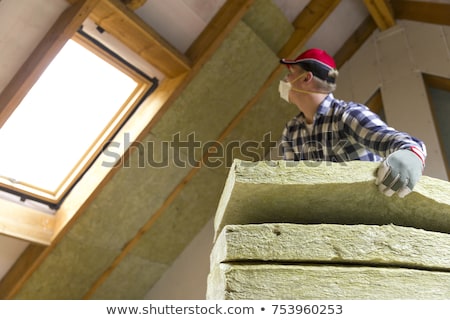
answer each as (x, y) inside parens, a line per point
(77, 104)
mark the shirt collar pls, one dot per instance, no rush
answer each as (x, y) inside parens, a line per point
(323, 108)
(325, 105)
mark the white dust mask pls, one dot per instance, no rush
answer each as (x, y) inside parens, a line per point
(284, 88)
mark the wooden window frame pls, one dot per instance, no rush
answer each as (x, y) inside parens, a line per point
(145, 85)
(31, 224)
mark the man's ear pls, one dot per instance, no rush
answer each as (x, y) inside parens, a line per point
(308, 77)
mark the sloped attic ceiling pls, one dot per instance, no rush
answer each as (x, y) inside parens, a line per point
(127, 230)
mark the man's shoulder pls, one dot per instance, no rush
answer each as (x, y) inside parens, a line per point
(348, 105)
(343, 107)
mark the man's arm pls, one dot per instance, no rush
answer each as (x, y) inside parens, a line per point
(404, 154)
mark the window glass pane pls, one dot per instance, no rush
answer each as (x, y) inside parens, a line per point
(64, 113)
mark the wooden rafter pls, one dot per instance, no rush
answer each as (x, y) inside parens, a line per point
(381, 13)
(130, 4)
(375, 102)
(429, 12)
(26, 223)
(114, 17)
(133, 4)
(17, 275)
(437, 82)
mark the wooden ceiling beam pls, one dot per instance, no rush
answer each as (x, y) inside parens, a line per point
(19, 221)
(130, 4)
(375, 102)
(436, 82)
(20, 271)
(127, 27)
(133, 4)
(429, 12)
(381, 13)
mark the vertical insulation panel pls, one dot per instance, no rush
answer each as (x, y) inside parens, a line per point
(429, 49)
(394, 54)
(366, 77)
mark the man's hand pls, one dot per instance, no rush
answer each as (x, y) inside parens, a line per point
(399, 173)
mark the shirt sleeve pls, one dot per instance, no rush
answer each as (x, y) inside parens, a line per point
(367, 129)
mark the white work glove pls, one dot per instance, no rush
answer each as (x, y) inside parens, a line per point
(399, 173)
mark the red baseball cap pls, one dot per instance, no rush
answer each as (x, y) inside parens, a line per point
(317, 61)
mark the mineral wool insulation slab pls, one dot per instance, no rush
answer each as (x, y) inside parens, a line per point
(325, 192)
(369, 245)
(325, 261)
(312, 282)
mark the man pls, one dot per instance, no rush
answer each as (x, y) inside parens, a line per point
(333, 130)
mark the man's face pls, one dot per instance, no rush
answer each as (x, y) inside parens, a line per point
(294, 76)
(295, 72)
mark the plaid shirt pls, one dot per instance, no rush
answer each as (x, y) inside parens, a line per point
(344, 131)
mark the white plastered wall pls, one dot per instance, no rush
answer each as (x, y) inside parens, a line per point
(392, 61)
